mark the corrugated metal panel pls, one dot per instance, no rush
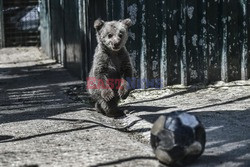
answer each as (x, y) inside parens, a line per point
(180, 42)
(188, 41)
(2, 41)
(57, 30)
(73, 52)
(45, 27)
(69, 29)
(91, 10)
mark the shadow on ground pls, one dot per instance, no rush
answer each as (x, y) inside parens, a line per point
(36, 92)
(119, 161)
(228, 137)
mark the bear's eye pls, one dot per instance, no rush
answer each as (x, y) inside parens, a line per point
(120, 35)
(110, 35)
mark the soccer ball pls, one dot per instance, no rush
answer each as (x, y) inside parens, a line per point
(178, 139)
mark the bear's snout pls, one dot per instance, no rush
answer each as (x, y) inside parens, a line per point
(117, 45)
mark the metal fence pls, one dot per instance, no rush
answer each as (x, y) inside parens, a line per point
(181, 42)
(21, 22)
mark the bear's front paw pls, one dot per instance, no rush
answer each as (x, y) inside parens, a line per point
(123, 90)
(107, 94)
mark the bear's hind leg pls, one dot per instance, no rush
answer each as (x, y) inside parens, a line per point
(99, 108)
(111, 108)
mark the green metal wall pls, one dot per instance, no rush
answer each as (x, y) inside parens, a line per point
(181, 42)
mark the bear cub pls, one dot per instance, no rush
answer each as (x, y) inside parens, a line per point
(111, 67)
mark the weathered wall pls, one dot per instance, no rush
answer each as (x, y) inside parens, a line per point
(187, 41)
(181, 42)
(68, 33)
(2, 43)
(45, 27)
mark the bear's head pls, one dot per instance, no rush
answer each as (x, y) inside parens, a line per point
(113, 34)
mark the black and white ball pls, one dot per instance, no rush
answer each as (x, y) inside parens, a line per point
(178, 139)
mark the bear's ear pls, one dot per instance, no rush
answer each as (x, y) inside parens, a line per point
(127, 22)
(98, 24)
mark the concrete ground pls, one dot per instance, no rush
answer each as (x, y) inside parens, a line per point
(46, 118)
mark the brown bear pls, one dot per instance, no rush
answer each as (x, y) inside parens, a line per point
(111, 67)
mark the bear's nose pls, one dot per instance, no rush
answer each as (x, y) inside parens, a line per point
(116, 45)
